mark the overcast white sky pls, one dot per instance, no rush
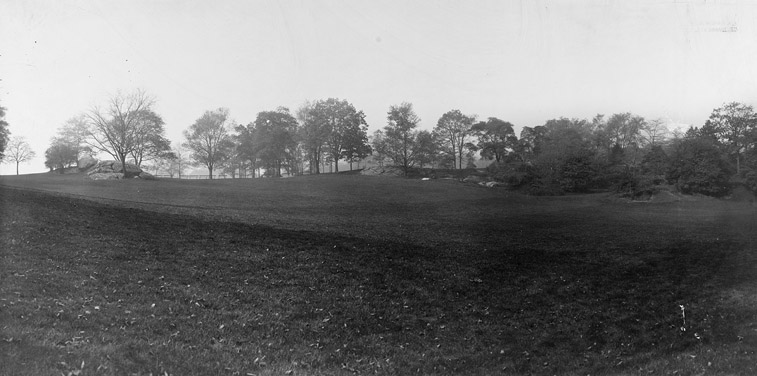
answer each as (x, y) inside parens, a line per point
(522, 61)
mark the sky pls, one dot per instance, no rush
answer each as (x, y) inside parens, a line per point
(522, 61)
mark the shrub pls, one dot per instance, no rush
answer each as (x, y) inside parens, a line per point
(699, 166)
(514, 174)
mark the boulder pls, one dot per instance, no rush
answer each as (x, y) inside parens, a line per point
(106, 176)
(473, 179)
(146, 176)
(385, 170)
(114, 167)
(108, 167)
(86, 162)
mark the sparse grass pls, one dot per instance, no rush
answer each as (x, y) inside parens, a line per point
(473, 281)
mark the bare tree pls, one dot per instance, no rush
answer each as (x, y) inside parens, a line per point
(119, 130)
(654, 132)
(19, 151)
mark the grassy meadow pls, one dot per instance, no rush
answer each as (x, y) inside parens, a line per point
(349, 274)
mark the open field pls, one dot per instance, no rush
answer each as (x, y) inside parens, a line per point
(368, 275)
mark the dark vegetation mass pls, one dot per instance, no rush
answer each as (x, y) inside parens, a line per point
(268, 276)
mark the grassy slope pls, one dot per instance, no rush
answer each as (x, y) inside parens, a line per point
(474, 281)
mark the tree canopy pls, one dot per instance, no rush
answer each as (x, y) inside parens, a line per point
(452, 130)
(209, 140)
(400, 135)
(127, 127)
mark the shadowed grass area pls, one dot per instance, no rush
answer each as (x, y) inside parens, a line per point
(575, 285)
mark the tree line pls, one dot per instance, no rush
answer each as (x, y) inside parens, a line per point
(624, 151)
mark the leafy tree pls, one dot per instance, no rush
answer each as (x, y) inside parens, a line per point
(274, 140)
(19, 151)
(530, 141)
(562, 156)
(452, 130)
(313, 134)
(208, 139)
(655, 164)
(123, 127)
(245, 146)
(75, 132)
(400, 135)
(734, 125)
(60, 155)
(428, 148)
(624, 129)
(355, 145)
(496, 138)
(151, 142)
(379, 146)
(698, 165)
(336, 125)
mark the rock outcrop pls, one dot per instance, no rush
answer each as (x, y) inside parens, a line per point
(109, 170)
(106, 176)
(86, 163)
(386, 170)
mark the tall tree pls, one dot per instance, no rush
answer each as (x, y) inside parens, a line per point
(60, 154)
(427, 148)
(75, 131)
(379, 146)
(453, 129)
(735, 126)
(274, 140)
(355, 145)
(19, 151)
(4, 133)
(624, 129)
(120, 129)
(496, 138)
(151, 143)
(654, 133)
(209, 140)
(313, 133)
(530, 142)
(335, 124)
(699, 165)
(400, 135)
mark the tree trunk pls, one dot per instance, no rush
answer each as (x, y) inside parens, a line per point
(123, 166)
(16, 167)
(210, 172)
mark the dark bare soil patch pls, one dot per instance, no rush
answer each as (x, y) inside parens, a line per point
(603, 289)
